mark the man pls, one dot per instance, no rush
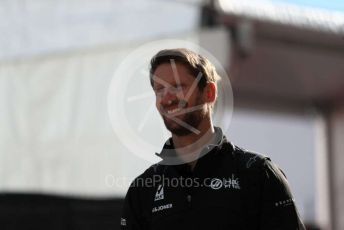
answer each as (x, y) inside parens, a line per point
(203, 180)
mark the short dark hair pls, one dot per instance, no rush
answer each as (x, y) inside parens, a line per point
(195, 63)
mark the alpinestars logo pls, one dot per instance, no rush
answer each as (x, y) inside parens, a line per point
(159, 195)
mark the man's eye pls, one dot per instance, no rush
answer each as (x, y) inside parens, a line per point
(181, 87)
(159, 90)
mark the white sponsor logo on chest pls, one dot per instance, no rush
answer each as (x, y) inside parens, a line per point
(159, 195)
(161, 207)
(228, 183)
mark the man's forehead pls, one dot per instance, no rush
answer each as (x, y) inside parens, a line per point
(173, 72)
(166, 67)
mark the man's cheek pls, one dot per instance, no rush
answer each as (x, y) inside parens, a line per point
(159, 108)
(157, 104)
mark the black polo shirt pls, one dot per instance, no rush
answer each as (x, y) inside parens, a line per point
(229, 188)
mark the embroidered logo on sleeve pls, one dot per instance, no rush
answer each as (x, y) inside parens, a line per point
(284, 203)
(251, 161)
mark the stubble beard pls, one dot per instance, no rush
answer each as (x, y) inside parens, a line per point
(192, 119)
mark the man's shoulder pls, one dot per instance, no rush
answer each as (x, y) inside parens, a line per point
(247, 159)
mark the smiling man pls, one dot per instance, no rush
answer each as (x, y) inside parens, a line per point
(203, 181)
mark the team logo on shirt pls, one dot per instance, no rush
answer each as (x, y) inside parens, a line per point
(123, 222)
(216, 183)
(229, 183)
(159, 195)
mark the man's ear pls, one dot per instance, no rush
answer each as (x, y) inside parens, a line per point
(210, 92)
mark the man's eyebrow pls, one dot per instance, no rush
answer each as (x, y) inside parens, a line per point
(157, 87)
(162, 82)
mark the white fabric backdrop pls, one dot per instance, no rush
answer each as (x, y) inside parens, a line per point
(55, 130)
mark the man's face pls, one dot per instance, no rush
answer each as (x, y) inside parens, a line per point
(178, 99)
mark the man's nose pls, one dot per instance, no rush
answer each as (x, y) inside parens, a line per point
(168, 97)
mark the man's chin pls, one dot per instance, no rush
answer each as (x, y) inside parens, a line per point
(181, 131)
(177, 129)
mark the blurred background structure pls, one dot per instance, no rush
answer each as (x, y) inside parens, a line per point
(59, 156)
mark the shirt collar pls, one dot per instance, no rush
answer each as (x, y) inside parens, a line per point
(169, 151)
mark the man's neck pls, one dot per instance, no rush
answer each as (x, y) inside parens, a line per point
(189, 147)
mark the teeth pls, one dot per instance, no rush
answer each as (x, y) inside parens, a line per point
(173, 110)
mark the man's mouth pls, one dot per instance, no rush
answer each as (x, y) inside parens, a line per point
(173, 111)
